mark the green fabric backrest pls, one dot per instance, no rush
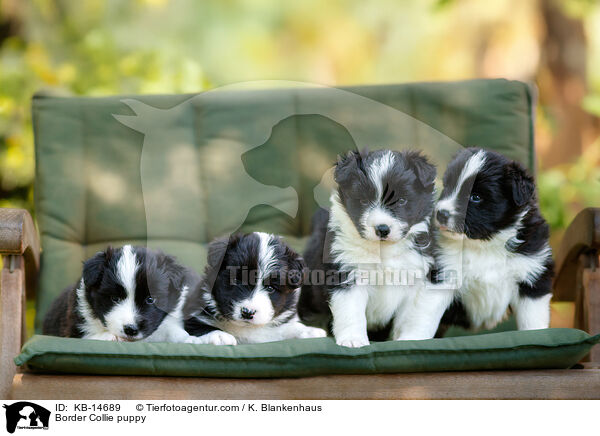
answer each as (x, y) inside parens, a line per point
(175, 171)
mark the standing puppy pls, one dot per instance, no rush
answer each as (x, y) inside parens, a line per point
(249, 293)
(375, 247)
(493, 243)
(124, 294)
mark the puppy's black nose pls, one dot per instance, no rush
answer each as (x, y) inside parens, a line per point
(247, 313)
(130, 330)
(442, 216)
(382, 230)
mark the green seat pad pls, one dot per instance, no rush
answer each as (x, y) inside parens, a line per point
(548, 348)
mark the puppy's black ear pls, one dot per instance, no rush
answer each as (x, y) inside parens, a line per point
(93, 268)
(424, 171)
(296, 267)
(522, 185)
(217, 249)
(174, 271)
(214, 259)
(347, 164)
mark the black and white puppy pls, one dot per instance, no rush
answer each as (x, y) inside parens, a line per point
(124, 294)
(493, 243)
(249, 292)
(377, 239)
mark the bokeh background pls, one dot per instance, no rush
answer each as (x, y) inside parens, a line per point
(98, 47)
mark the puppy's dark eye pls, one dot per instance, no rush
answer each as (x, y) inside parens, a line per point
(114, 299)
(150, 300)
(364, 202)
(474, 198)
(269, 289)
(402, 201)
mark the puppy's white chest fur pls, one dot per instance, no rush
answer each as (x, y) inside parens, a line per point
(392, 273)
(486, 275)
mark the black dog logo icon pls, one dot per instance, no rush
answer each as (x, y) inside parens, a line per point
(26, 415)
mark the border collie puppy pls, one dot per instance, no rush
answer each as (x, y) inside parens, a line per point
(249, 292)
(493, 243)
(375, 247)
(124, 294)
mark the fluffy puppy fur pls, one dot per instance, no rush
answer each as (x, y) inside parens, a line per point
(124, 294)
(249, 292)
(493, 243)
(375, 248)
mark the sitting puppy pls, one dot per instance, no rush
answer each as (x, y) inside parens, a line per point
(379, 223)
(249, 293)
(124, 294)
(493, 243)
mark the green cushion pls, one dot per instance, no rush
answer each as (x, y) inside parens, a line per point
(549, 348)
(174, 171)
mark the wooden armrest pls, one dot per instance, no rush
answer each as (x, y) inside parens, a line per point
(20, 250)
(578, 273)
(581, 238)
(18, 236)
(17, 233)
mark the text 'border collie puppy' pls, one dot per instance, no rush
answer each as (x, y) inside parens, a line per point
(377, 237)
(493, 243)
(125, 294)
(249, 292)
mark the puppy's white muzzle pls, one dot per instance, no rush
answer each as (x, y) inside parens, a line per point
(379, 225)
(256, 310)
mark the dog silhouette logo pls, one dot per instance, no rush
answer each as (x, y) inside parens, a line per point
(26, 415)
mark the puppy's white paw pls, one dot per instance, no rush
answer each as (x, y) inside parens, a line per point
(106, 336)
(312, 332)
(353, 342)
(218, 337)
(193, 340)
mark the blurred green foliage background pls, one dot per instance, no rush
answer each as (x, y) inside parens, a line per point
(96, 47)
